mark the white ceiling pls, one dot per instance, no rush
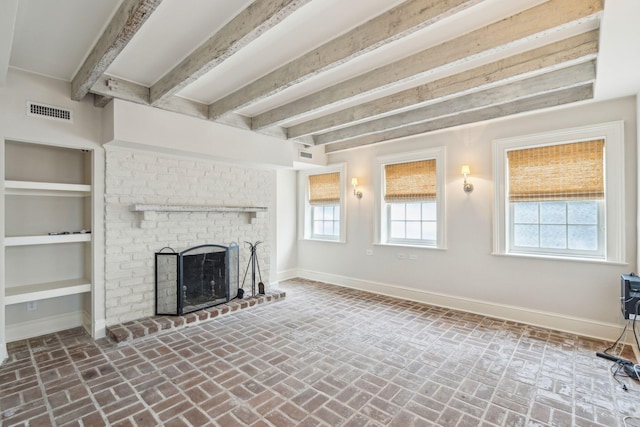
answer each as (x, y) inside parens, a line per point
(53, 38)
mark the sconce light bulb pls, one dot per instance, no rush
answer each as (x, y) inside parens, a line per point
(467, 187)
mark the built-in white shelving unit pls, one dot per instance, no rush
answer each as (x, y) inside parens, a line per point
(48, 243)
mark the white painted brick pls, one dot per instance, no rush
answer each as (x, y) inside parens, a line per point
(110, 250)
(128, 284)
(154, 178)
(116, 259)
(133, 248)
(132, 264)
(115, 274)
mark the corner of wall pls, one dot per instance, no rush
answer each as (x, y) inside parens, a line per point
(3, 352)
(108, 123)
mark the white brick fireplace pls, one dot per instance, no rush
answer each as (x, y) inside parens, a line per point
(132, 238)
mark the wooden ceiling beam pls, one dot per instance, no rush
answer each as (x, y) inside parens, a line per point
(247, 26)
(126, 22)
(113, 87)
(540, 21)
(576, 75)
(580, 48)
(101, 101)
(399, 22)
(548, 100)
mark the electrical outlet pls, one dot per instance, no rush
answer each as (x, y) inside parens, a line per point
(32, 306)
(369, 252)
(402, 256)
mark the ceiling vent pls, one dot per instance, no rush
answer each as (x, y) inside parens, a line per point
(306, 155)
(36, 109)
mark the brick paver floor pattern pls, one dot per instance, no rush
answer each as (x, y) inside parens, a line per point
(327, 356)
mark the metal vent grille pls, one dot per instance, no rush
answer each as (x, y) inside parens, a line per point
(306, 155)
(35, 109)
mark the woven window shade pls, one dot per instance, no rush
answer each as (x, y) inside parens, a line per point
(572, 171)
(410, 182)
(324, 189)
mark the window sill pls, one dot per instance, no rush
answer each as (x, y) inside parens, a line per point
(408, 245)
(561, 258)
(316, 239)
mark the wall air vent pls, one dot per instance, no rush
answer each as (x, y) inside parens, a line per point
(36, 109)
(306, 155)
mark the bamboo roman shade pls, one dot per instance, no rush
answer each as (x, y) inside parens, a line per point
(324, 189)
(410, 182)
(572, 171)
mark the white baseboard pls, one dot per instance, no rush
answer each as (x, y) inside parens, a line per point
(45, 325)
(555, 321)
(287, 274)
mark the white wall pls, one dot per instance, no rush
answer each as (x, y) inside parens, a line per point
(286, 242)
(164, 131)
(576, 296)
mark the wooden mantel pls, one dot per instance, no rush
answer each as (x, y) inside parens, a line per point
(196, 208)
(149, 211)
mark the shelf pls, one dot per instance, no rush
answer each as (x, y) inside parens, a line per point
(31, 188)
(40, 291)
(46, 239)
(196, 208)
(149, 211)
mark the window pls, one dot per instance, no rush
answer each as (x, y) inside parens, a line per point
(324, 198)
(561, 194)
(555, 198)
(322, 195)
(411, 200)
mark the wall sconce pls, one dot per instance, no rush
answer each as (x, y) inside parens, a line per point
(356, 192)
(467, 186)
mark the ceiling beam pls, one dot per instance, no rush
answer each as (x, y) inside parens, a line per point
(399, 22)
(579, 48)
(101, 101)
(541, 21)
(113, 87)
(247, 26)
(553, 99)
(576, 75)
(128, 19)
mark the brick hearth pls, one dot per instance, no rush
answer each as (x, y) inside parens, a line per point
(141, 328)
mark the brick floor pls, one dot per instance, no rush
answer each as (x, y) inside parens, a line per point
(142, 328)
(323, 356)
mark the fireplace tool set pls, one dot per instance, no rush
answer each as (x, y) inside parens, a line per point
(253, 263)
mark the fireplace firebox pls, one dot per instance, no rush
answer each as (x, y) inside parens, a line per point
(196, 278)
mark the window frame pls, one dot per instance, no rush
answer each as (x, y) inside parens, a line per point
(305, 230)
(382, 224)
(613, 249)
